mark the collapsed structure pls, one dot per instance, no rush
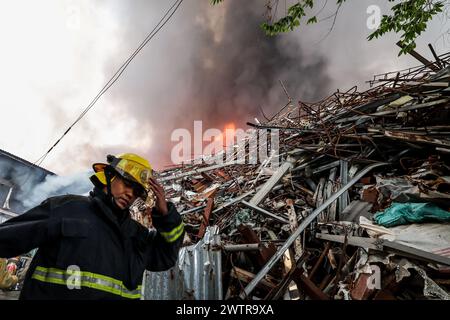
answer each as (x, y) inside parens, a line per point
(358, 208)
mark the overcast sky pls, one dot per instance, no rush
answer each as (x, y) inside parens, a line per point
(208, 63)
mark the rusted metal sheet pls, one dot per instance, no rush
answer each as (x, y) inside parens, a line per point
(266, 250)
(196, 276)
(310, 288)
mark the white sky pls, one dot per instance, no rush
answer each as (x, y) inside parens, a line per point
(56, 54)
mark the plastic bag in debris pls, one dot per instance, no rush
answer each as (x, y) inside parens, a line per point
(399, 189)
(391, 188)
(404, 213)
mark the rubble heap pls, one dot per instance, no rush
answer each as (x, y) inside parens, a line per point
(358, 207)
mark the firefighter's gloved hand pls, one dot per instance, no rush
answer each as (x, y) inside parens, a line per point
(7, 280)
(158, 190)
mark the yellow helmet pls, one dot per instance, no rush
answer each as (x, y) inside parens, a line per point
(129, 166)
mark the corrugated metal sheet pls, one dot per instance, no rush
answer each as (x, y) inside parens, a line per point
(197, 275)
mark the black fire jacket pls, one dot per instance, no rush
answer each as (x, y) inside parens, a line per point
(89, 250)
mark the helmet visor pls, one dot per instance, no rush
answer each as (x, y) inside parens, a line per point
(133, 171)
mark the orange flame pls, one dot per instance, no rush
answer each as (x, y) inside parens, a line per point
(229, 132)
(230, 126)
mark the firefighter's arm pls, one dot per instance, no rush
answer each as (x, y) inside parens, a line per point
(25, 232)
(164, 244)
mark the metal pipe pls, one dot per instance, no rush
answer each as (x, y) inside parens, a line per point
(306, 222)
(326, 167)
(8, 197)
(264, 212)
(195, 209)
(419, 57)
(273, 180)
(192, 172)
(9, 213)
(241, 247)
(438, 61)
(227, 204)
(233, 201)
(343, 199)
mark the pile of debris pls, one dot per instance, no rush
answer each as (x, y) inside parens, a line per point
(358, 207)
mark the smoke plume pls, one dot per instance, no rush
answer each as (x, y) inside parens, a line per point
(31, 186)
(215, 64)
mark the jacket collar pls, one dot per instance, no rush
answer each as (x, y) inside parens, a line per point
(118, 217)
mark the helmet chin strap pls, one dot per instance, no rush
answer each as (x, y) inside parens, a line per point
(109, 174)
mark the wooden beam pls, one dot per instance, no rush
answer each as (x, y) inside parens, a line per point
(245, 276)
(308, 286)
(206, 216)
(422, 59)
(319, 261)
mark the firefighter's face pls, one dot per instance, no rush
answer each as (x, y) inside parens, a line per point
(123, 192)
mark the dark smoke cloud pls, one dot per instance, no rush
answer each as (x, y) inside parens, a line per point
(212, 64)
(246, 68)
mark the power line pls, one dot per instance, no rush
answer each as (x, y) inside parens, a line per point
(166, 17)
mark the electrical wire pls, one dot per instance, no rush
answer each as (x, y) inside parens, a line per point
(166, 17)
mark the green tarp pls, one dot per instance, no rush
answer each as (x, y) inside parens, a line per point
(405, 213)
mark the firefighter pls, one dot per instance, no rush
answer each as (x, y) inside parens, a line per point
(89, 247)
